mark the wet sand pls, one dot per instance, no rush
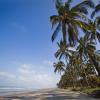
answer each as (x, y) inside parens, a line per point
(48, 94)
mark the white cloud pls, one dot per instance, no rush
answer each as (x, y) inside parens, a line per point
(25, 69)
(6, 75)
(37, 79)
(28, 76)
(48, 62)
(26, 66)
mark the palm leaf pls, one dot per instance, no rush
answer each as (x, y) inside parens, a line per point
(80, 10)
(97, 22)
(98, 36)
(57, 54)
(86, 3)
(54, 20)
(54, 35)
(84, 25)
(58, 4)
(97, 9)
(67, 4)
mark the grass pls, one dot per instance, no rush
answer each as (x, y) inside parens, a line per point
(90, 90)
(93, 92)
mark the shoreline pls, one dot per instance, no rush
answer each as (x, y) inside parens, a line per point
(15, 92)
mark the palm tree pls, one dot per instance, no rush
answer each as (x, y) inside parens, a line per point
(59, 66)
(69, 19)
(86, 50)
(63, 51)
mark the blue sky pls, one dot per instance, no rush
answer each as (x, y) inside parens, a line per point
(26, 50)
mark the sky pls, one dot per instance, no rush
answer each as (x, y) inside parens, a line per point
(26, 50)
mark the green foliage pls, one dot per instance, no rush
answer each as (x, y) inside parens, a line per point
(94, 81)
(89, 90)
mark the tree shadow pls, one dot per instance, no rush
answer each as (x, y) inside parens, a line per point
(95, 94)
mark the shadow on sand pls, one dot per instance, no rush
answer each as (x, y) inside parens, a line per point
(50, 96)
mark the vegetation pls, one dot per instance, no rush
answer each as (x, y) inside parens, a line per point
(94, 92)
(78, 59)
(90, 90)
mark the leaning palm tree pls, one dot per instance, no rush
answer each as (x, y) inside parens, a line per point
(69, 19)
(86, 50)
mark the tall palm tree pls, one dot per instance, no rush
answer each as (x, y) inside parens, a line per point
(69, 19)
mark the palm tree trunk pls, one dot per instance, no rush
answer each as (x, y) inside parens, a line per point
(86, 77)
(97, 67)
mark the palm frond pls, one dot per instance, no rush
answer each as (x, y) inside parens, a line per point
(85, 4)
(54, 20)
(84, 25)
(79, 9)
(98, 36)
(97, 22)
(61, 56)
(57, 54)
(91, 47)
(58, 4)
(67, 4)
(97, 9)
(54, 35)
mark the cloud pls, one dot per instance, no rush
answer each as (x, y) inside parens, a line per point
(48, 62)
(29, 77)
(32, 77)
(6, 75)
(25, 68)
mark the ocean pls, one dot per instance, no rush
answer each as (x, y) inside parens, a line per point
(13, 90)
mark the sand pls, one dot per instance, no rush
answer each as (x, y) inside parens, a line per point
(49, 94)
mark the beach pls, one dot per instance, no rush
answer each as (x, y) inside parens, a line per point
(48, 94)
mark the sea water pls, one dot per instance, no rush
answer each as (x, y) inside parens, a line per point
(13, 90)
